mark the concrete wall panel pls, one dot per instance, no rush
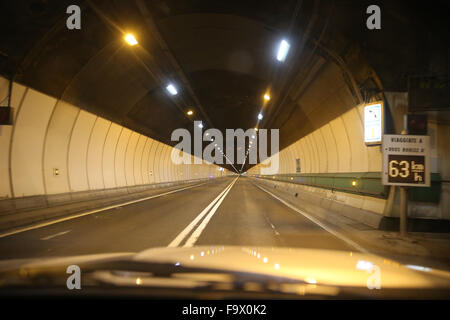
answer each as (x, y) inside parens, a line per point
(17, 95)
(354, 128)
(144, 165)
(321, 150)
(77, 155)
(152, 161)
(342, 143)
(138, 159)
(95, 153)
(331, 147)
(130, 153)
(27, 144)
(119, 163)
(56, 147)
(109, 155)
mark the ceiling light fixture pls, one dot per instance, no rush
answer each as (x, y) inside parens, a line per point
(283, 50)
(172, 90)
(260, 116)
(130, 39)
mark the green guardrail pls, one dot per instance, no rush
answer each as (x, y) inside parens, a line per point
(363, 183)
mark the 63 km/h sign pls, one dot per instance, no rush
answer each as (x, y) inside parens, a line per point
(406, 160)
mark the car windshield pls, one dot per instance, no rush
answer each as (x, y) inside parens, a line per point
(220, 149)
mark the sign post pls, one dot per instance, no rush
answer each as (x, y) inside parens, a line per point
(406, 163)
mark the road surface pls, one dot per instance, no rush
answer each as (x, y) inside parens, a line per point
(229, 211)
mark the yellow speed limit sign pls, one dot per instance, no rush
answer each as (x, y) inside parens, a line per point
(406, 160)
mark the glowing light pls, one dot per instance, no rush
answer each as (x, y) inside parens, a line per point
(267, 97)
(419, 268)
(364, 265)
(191, 257)
(283, 50)
(200, 125)
(190, 113)
(138, 281)
(354, 183)
(310, 280)
(265, 260)
(260, 116)
(276, 266)
(172, 90)
(130, 39)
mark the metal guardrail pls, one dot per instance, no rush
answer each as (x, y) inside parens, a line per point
(362, 183)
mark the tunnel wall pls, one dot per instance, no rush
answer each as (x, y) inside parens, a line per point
(89, 152)
(338, 147)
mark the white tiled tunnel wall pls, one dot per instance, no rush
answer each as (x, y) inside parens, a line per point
(88, 151)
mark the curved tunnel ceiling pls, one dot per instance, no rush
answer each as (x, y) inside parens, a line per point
(221, 55)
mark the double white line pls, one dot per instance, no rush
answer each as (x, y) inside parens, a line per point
(197, 232)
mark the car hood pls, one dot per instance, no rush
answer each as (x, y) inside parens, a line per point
(312, 266)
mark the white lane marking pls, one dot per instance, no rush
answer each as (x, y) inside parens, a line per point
(55, 235)
(274, 229)
(41, 225)
(320, 224)
(196, 234)
(179, 238)
(272, 226)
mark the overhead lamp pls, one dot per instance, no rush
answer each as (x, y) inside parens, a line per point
(260, 116)
(130, 39)
(266, 97)
(190, 113)
(283, 50)
(172, 90)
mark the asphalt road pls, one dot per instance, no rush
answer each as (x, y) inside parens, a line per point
(224, 212)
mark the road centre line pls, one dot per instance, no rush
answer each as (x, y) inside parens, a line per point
(196, 234)
(183, 234)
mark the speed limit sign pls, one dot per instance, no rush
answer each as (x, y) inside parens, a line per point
(406, 160)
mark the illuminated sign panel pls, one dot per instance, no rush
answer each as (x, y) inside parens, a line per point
(373, 123)
(406, 160)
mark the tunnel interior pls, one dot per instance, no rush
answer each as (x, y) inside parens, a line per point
(84, 96)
